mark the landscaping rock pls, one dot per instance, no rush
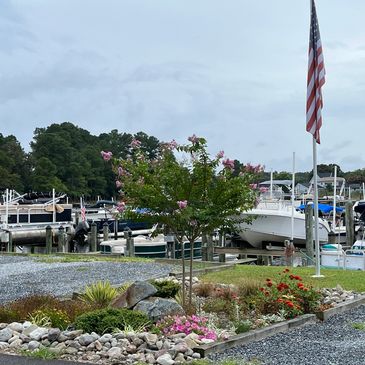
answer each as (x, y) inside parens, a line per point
(53, 334)
(114, 352)
(32, 345)
(165, 359)
(134, 294)
(3, 345)
(15, 326)
(86, 340)
(6, 334)
(38, 333)
(157, 308)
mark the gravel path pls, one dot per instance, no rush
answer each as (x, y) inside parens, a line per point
(23, 276)
(334, 342)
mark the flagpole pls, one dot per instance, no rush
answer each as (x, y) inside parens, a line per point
(316, 225)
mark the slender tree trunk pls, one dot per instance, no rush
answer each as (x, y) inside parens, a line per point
(183, 271)
(191, 272)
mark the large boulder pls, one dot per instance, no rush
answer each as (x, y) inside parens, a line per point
(157, 308)
(134, 294)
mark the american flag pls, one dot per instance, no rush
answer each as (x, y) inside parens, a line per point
(83, 211)
(316, 79)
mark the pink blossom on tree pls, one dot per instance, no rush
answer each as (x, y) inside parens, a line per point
(182, 204)
(135, 143)
(121, 207)
(118, 184)
(220, 154)
(253, 186)
(193, 139)
(106, 155)
(228, 164)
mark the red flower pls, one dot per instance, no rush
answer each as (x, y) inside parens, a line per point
(296, 277)
(300, 285)
(262, 289)
(280, 300)
(286, 270)
(269, 284)
(289, 304)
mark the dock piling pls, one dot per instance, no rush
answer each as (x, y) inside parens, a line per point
(93, 238)
(49, 239)
(349, 219)
(309, 233)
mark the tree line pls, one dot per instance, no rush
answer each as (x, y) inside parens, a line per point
(67, 158)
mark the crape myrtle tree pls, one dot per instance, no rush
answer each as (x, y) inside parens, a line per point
(184, 189)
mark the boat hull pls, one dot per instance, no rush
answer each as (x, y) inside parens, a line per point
(275, 226)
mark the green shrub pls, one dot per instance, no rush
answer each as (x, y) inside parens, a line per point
(107, 320)
(42, 353)
(7, 315)
(219, 305)
(165, 288)
(48, 317)
(99, 294)
(242, 326)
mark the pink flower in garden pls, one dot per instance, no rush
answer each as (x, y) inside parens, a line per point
(228, 164)
(121, 171)
(106, 155)
(182, 204)
(220, 154)
(135, 143)
(118, 184)
(253, 186)
(193, 139)
(121, 207)
(263, 189)
(172, 145)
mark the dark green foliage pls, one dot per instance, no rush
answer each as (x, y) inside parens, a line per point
(242, 326)
(107, 320)
(166, 288)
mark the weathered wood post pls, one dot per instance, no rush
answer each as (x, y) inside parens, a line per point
(61, 239)
(49, 239)
(116, 229)
(68, 239)
(77, 218)
(126, 237)
(349, 219)
(10, 241)
(105, 231)
(309, 233)
(210, 248)
(94, 237)
(221, 243)
(204, 248)
(170, 246)
(131, 244)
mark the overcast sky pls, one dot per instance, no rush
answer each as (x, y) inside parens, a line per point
(231, 71)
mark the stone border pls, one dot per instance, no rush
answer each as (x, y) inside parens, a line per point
(254, 335)
(261, 333)
(340, 308)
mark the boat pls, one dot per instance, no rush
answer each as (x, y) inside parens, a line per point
(275, 226)
(26, 216)
(146, 246)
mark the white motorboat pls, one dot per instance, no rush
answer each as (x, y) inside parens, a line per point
(275, 225)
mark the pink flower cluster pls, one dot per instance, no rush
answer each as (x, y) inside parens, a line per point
(106, 155)
(170, 145)
(193, 139)
(220, 154)
(171, 325)
(254, 169)
(121, 207)
(182, 204)
(228, 164)
(135, 143)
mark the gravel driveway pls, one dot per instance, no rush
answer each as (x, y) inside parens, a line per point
(334, 342)
(23, 276)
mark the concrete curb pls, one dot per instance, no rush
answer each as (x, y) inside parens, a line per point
(255, 335)
(340, 308)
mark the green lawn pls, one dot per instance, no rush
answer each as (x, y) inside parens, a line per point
(349, 280)
(49, 259)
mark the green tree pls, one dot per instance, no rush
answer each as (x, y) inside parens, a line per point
(14, 169)
(191, 197)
